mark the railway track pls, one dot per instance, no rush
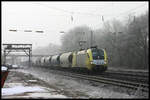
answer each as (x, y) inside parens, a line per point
(122, 83)
(133, 77)
(123, 75)
(131, 73)
(126, 80)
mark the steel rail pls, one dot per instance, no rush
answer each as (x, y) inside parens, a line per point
(118, 82)
(139, 74)
(132, 78)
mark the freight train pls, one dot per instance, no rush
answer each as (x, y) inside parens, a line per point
(91, 59)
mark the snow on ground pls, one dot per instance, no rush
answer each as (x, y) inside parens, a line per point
(76, 88)
(34, 92)
(19, 85)
(20, 89)
(47, 95)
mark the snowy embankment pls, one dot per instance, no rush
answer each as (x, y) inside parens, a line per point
(20, 89)
(33, 92)
(77, 88)
(20, 85)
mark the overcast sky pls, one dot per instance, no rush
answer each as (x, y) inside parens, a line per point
(53, 17)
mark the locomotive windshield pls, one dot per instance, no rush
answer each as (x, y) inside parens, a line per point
(97, 53)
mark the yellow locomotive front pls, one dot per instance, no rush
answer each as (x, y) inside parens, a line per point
(98, 59)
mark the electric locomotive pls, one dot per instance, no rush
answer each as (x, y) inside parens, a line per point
(93, 59)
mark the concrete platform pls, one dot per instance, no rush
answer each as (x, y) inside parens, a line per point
(21, 85)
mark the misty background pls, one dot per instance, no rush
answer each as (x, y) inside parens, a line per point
(121, 28)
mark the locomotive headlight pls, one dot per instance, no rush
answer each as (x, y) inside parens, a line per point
(92, 62)
(105, 62)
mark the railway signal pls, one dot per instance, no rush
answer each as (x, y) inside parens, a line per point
(27, 30)
(39, 31)
(13, 30)
(62, 32)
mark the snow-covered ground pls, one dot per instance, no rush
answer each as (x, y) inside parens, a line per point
(20, 89)
(34, 92)
(77, 88)
(20, 85)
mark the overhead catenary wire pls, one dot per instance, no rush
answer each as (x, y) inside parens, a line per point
(74, 12)
(86, 13)
(131, 10)
(102, 16)
(54, 8)
(91, 14)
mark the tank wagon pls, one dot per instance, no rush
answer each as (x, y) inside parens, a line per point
(48, 60)
(55, 60)
(38, 61)
(34, 61)
(43, 61)
(66, 59)
(92, 59)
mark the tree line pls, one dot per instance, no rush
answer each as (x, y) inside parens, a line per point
(126, 43)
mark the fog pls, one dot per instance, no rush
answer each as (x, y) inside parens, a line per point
(53, 17)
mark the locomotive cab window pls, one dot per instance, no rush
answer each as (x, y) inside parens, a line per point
(97, 53)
